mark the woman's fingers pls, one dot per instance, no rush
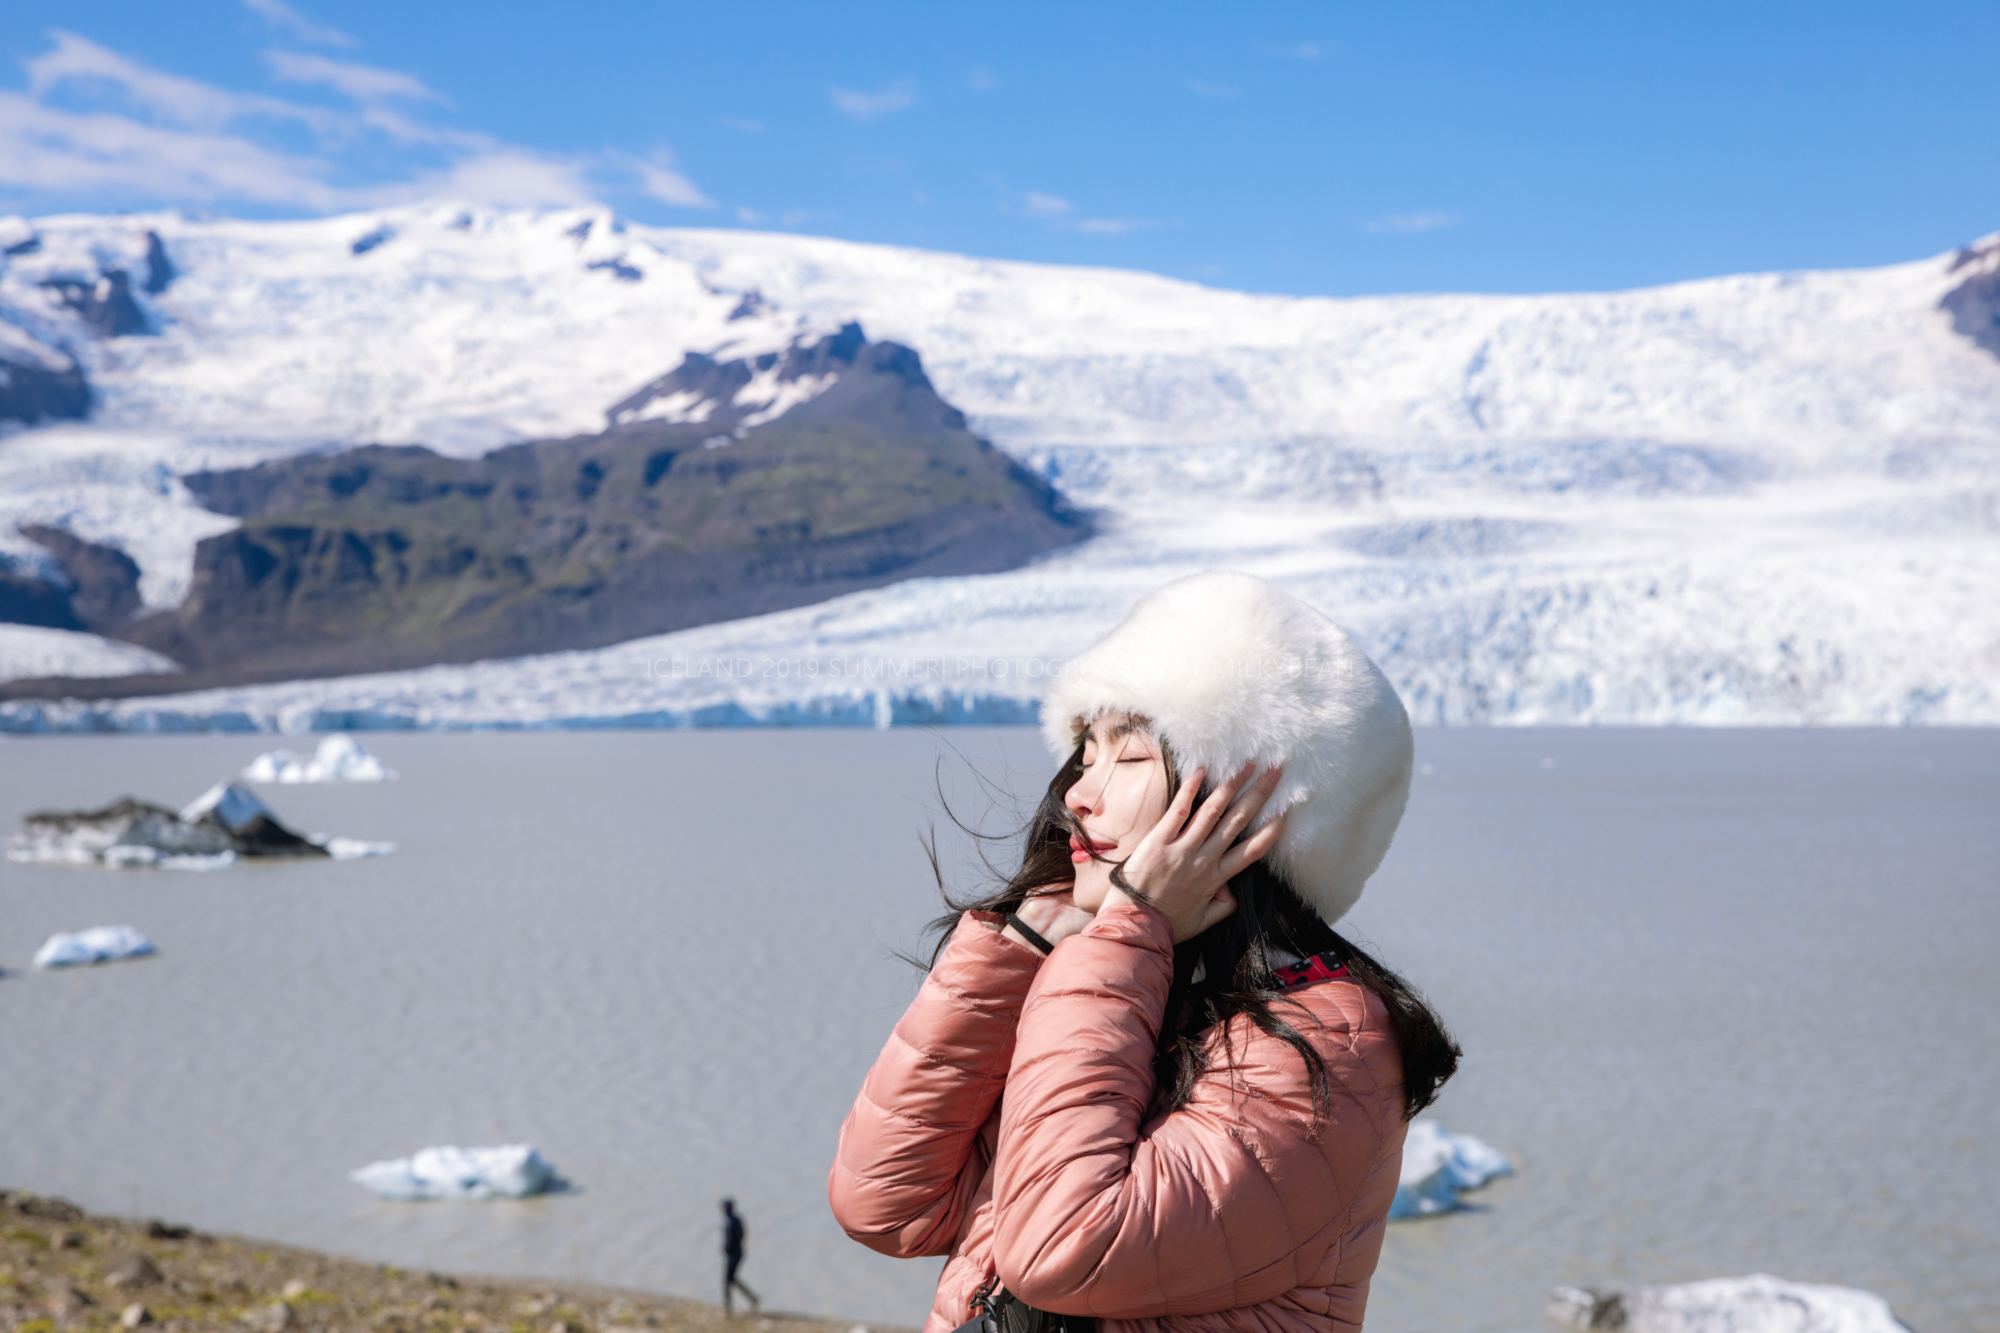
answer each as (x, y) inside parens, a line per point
(1244, 809)
(1212, 809)
(1176, 815)
(1240, 857)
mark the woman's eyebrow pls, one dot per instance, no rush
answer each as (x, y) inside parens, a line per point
(1120, 730)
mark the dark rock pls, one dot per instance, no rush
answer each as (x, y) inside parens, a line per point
(104, 581)
(26, 599)
(1974, 304)
(47, 1209)
(387, 557)
(618, 269)
(160, 270)
(27, 247)
(380, 236)
(106, 307)
(158, 1230)
(38, 387)
(137, 1270)
(752, 304)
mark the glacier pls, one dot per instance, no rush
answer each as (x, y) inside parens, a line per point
(1769, 499)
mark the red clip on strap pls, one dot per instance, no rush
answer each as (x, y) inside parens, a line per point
(1320, 967)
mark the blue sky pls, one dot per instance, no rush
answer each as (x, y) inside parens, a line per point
(1289, 147)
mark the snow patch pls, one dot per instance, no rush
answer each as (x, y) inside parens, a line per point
(1756, 1304)
(98, 944)
(511, 1172)
(28, 651)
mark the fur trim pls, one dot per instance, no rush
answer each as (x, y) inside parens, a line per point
(1229, 668)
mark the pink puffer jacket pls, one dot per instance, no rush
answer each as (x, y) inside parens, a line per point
(1226, 1215)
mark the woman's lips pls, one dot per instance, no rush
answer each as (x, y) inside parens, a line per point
(1080, 848)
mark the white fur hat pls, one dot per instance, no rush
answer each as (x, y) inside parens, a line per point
(1229, 668)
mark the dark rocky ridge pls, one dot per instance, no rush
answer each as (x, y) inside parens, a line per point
(105, 306)
(31, 390)
(98, 591)
(386, 557)
(1974, 304)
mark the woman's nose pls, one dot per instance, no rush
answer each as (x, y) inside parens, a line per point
(1079, 798)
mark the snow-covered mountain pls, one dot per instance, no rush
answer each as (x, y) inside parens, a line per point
(1770, 498)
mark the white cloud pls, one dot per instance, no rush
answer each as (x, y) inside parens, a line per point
(43, 148)
(1118, 226)
(662, 179)
(740, 125)
(364, 83)
(281, 15)
(1409, 223)
(77, 60)
(130, 134)
(506, 177)
(898, 96)
(1215, 90)
(1039, 205)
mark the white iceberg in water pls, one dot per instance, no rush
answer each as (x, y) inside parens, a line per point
(224, 823)
(511, 1172)
(99, 944)
(1438, 1165)
(339, 759)
(1756, 1304)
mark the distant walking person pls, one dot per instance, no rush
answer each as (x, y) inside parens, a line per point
(733, 1232)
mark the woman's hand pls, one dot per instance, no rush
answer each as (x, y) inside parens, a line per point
(1183, 867)
(1052, 915)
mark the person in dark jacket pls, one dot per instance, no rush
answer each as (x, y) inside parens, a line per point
(733, 1232)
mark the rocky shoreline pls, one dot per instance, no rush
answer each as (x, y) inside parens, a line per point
(64, 1269)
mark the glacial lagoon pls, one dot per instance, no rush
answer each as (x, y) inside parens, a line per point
(1726, 996)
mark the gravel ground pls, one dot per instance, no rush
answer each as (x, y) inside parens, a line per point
(64, 1269)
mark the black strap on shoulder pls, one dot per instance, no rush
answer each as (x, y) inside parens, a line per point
(1029, 933)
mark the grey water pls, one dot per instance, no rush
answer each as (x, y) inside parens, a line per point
(1727, 1000)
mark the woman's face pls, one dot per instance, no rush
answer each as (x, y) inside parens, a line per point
(1119, 798)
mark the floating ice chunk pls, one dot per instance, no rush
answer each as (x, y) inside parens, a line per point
(224, 823)
(250, 824)
(349, 849)
(511, 1172)
(99, 944)
(1756, 1304)
(1438, 1165)
(339, 759)
(123, 834)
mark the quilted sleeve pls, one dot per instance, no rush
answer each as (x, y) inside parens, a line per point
(908, 1164)
(1225, 1203)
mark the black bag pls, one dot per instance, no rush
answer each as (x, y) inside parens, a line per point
(1001, 1311)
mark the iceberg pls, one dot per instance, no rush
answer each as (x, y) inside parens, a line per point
(99, 944)
(514, 1171)
(1756, 1304)
(1437, 1166)
(223, 824)
(339, 759)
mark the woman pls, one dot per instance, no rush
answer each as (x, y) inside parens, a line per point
(1147, 1083)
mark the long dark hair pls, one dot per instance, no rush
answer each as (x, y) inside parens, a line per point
(1228, 969)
